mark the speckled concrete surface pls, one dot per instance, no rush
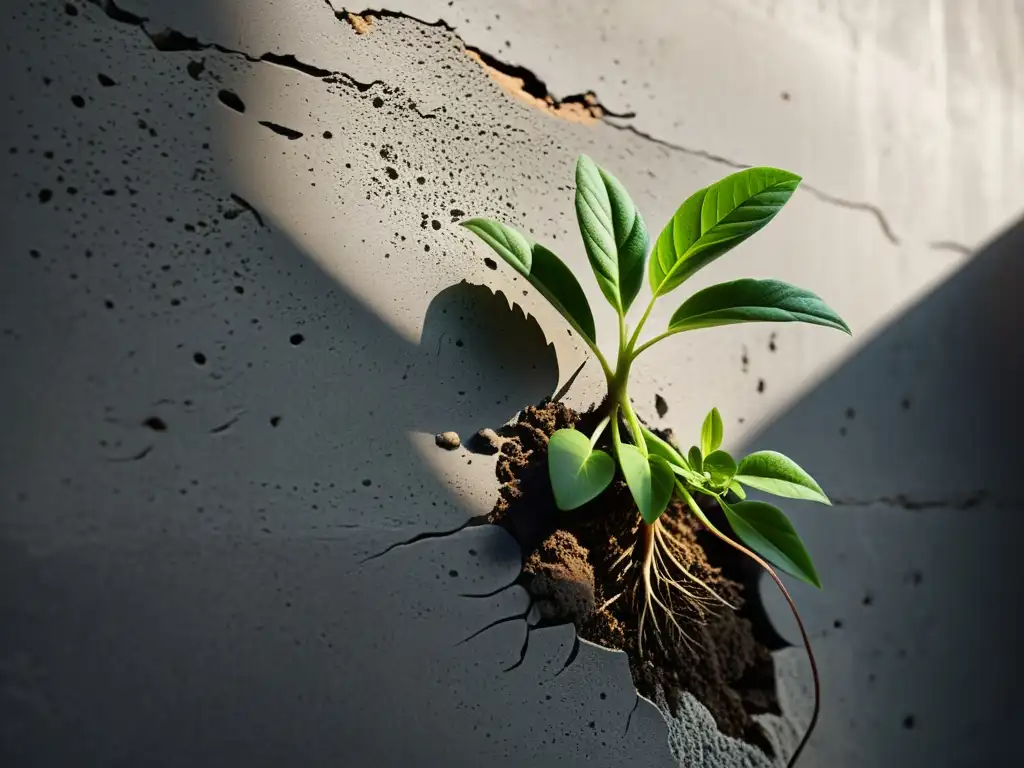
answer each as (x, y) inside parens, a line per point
(236, 309)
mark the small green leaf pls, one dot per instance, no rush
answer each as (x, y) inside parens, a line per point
(767, 531)
(545, 271)
(752, 301)
(662, 448)
(774, 473)
(722, 468)
(696, 460)
(650, 481)
(711, 432)
(578, 473)
(613, 232)
(716, 219)
(736, 488)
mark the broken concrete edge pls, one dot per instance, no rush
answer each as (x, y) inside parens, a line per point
(694, 738)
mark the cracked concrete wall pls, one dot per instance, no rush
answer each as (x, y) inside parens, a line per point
(234, 317)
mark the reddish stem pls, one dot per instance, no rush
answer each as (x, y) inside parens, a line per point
(803, 634)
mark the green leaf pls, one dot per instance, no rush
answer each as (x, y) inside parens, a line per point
(736, 488)
(662, 448)
(753, 301)
(711, 432)
(767, 531)
(774, 473)
(545, 271)
(663, 482)
(722, 468)
(696, 460)
(613, 232)
(578, 473)
(716, 219)
(650, 480)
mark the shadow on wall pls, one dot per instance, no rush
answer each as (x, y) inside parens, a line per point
(917, 440)
(508, 360)
(206, 438)
(208, 600)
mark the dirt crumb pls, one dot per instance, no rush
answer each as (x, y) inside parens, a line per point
(447, 440)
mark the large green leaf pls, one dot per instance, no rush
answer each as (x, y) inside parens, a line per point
(715, 219)
(753, 301)
(767, 531)
(545, 271)
(578, 473)
(775, 473)
(650, 480)
(711, 432)
(613, 232)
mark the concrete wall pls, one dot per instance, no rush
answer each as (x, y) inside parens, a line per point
(229, 336)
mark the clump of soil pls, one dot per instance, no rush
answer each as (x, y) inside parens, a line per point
(571, 571)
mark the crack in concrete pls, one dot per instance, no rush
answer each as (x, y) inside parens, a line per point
(629, 719)
(573, 653)
(166, 40)
(951, 245)
(473, 521)
(902, 501)
(221, 428)
(498, 622)
(282, 130)
(522, 651)
(856, 205)
(701, 153)
(246, 206)
(515, 78)
(493, 592)
(383, 13)
(521, 82)
(135, 457)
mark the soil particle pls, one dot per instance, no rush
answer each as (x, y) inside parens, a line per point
(660, 406)
(486, 442)
(447, 440)
(569, 560)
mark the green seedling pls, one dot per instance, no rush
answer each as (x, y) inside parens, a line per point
(709, 223)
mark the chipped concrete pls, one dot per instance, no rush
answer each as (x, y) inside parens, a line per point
(236, 220)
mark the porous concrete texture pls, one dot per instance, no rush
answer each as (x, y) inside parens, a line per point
(236, 309)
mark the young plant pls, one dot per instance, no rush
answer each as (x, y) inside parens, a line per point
(709, 223)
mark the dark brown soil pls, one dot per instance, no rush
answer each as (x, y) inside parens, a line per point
(569, 556)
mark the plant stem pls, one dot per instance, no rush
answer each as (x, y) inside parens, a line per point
(614, 418)
(635, 353)
(640, 325)
(599, 431)
(634, 424)
(603, 361)
(792, 606)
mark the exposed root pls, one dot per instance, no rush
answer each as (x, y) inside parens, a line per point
(658, 584)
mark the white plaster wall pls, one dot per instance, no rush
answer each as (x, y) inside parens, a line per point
(198, 593)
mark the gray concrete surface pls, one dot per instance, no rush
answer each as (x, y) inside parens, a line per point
(227, 348)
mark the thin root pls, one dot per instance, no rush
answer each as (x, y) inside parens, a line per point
(662, 558)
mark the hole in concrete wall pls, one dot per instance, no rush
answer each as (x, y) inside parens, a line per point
(231, 99)
(488, 353)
